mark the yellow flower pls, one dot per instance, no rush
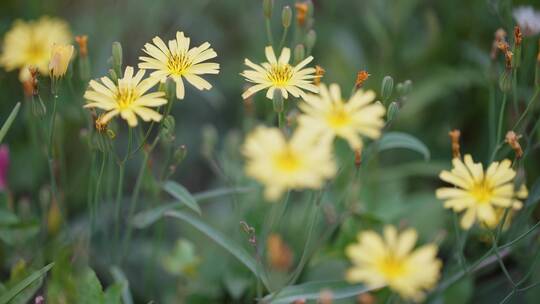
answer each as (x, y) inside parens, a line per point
(60, 57)
(390, 260)
(279, 74)
(178, 61)
(127, 98)
(479, 193)
(29, 44)
(282, 164)
(328, 115)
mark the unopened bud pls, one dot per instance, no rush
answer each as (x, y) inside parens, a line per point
(358, 158)
(505, 81)
(311, 39)
(319, 73)
(167, 132)
(299, 53)
(518, 37)
(302, 10)
(277, 101)
(268, 6)
(361, 77)
(512, 139)
(454, 138)
(387, 87)
(286, 16)
(117, 58)
(392, 111)
(114, 75)
(179, 155)
(60, 58)
(82, 41)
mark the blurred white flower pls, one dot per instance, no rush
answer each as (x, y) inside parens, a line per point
(528, 19)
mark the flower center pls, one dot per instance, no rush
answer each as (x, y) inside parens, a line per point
(178, 64)
(338, 118)
(287, 161)
(36, 53)
(125, 97)
(392, 267)
(280, 75)
(481, 192)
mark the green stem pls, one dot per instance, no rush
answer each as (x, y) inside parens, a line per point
(501, 118)
(281, 120)
(527, 109)
(50, 150)
(97, 193)
(121, 170)
(269, 32)
(283, 38)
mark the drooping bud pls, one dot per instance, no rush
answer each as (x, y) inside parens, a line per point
(117, 58)
(319, 73)
(387, 87)
(512, 139)
(311, 39)
(361, 77)
(392, 111)
(454, 137)
(286, 16)
(268, 6)
(299, 53)
(59, 61)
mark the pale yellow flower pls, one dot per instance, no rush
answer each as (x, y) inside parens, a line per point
(282, 164)
(178, 61)
(60, 57)
(479, 194)
(29, 44)
(392, 260)
(128, 98)
(329, 116)
(279, 74)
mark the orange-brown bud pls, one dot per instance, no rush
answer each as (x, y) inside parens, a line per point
(357, 158)
(82, 41)
(500, 36)
(280, 256)
(302, 10)
(30, 85)
(518, 37)
(512, 139)
(454, 137)
(361, 77)
(319, 73)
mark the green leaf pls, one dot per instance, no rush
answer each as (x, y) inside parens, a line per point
(232, 247)
(9, 121)
(89, 289)
(182, 194)
(22, 285)
(148, 217)
(312, 291)
(113, 295)
(120, 278)
(534, 195)
(7, 218)
(394, 140)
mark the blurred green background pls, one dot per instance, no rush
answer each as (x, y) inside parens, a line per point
(442, 46)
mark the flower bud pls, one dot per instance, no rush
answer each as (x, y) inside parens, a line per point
(311, 39)
(82, 41)
(117, 58)
(505, 81)
(302, 10)
(167, 132)
(268, 6)
(114, 76)
(179, 155)
(60, 58)
(54, 218)
(286, 16)
(392, 111)
(387, 87)
(299, 53)
(278, 101)
(209, 140)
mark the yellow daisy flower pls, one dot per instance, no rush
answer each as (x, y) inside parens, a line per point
(479, 193)
(279, 74)
(127, 98)
(328, 115)
(29, 44)
(178, 61)
(282, 164)
(390, 260)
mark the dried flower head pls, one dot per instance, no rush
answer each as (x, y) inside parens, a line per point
(512, 139)
(454, 137)
(302, 10)
(361, 77)
(518, 36)
(30, 83)
(82, 41)
(319, 73)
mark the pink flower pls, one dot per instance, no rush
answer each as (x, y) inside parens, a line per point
(4, 166)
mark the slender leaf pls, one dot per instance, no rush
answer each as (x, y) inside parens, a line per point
(394, 140)
(22, 285)
(9, 121)
(89, 290)
(534, 195)
(182, 194)
(148, 217)
(312, 291)
(120, 278)
(232, 247)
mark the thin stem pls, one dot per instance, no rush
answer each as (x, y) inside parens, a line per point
(97, 194)
(121, 170)
(281, 119)
(527, 109)
(269, 32)
(50, 150)
(501, 118)
(283, 38)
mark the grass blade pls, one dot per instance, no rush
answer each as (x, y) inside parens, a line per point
(9, 121)
(182, 194)
(393, 140)
(19, 287)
